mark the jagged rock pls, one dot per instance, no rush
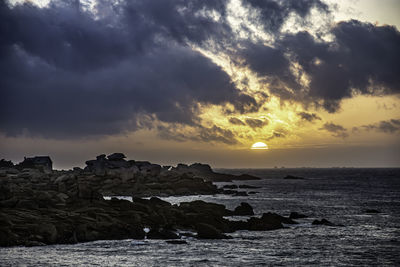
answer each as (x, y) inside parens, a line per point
(243, 209)
(268, 221)
(323, 222)
(116, 156)
(206, 231)
(161, 234)
(6, 163)
(150, 169)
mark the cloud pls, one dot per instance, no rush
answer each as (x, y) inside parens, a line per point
(72, 72)
(361, 59)
(389, 126)
(273, 14)
(236, 121)
(277, 134)
(256, 123)
(336, 129)
(197, 133)
(310, 117)
(67, 73)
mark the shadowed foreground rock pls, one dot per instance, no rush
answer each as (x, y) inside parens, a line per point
(34, 217)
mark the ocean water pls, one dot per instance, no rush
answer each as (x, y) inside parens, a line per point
(339, 195)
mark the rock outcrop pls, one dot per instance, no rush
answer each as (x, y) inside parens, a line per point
(204, 171)
(33, 217)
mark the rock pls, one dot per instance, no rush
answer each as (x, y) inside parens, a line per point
(296, 215)
(323, 222)
(150, 170)
(161, 234)
(176, 242)
(12, 171)
(48, 231)
(116, 156)
(206, 231)
(32, 243)
(230, 186)
(244, 177)
(202, 207)
(241, 194)
(268, 221)
(243, 209)
(248, 186)
(291, 177)
(372, 211)
(6, 163)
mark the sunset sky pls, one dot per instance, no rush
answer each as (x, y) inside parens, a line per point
(201, 81)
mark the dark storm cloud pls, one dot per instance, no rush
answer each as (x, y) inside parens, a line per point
(201, 133)
(66, 73)
(273, 14)
(389, 126)
(236, 121)
(363, 59)
(335, 129)
(308, 116)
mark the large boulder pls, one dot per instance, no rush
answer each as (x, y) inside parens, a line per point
(206, 231)
(243, 210)
(116, 156)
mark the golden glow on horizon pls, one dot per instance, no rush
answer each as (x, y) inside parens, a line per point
(259, 145)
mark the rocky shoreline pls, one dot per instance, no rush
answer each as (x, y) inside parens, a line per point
(40, 206)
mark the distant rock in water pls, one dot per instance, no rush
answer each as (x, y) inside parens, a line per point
(291, 177)
(248, 186)
(204, 171)
(296, 215)
(323, 222)
(372, 211)
(243, 210)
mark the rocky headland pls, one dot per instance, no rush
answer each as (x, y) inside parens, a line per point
(40, 206)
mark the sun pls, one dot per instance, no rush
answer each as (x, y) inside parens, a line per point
(259, 145)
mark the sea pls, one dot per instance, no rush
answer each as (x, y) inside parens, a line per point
(340, 195)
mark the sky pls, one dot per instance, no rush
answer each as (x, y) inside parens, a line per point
(188, 81)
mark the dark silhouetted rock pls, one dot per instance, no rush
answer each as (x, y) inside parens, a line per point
(241, 194)
(372, 211)
(162, 234)
(248, 186)
(176, 242)
(323, 222)
(291, 177)
(115, 156)
(206, 231)
(243, 210)
(295, 215)
(230, 186)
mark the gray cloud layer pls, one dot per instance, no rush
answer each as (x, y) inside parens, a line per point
(67, 72)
